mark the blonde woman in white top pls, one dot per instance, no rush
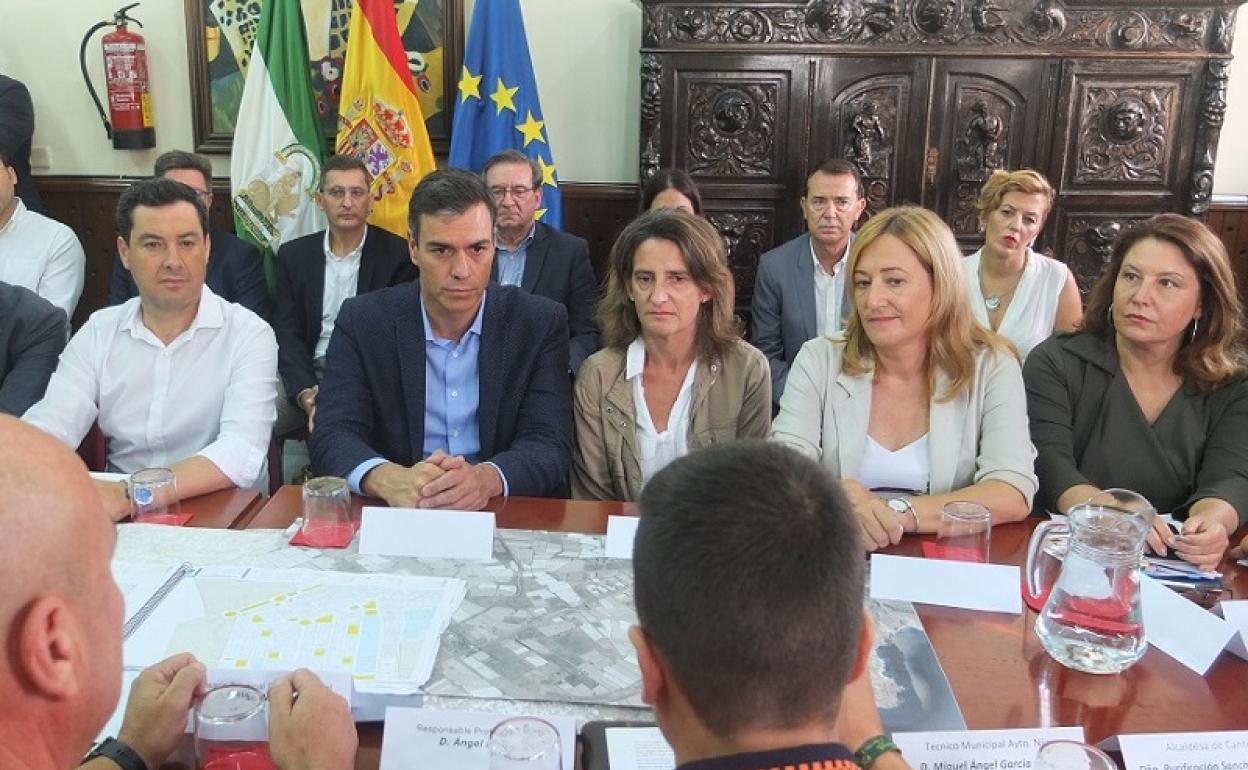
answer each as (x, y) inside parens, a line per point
(1017, 292)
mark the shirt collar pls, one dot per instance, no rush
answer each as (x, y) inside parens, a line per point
(840, 263)
(635, 358)
(810, 755)
(474, 329)
(210, 315)
(523, 244)
(350, 256)
(18, 211)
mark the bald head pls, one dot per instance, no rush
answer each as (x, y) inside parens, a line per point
(60, 612)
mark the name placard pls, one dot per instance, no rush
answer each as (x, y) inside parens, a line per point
(427, 533)
(424, 738)
(1185, 751)
(979, 749)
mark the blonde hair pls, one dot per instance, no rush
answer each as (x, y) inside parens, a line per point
(1001, 183)
(953, 334)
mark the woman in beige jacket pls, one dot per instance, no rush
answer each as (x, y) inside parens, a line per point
(674, 375)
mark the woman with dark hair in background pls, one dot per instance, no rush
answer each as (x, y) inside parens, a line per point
(671, 188)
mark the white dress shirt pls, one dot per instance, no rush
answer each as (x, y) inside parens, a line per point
(656, 449)
(211, 392)
(44, 256)
(342, 279)
(829, 292)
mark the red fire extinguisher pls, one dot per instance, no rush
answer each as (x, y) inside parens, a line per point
(129, 90)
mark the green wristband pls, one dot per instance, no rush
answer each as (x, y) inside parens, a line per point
(872, 749)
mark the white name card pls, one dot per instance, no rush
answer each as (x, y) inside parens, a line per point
(979, 749)
(638, 748)
(427, 533)
(1182, 629)
(969, 585)
(1236, 613)
(1159, 751)
(621, 531)
(424, 738)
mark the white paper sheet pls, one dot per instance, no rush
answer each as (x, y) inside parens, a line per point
(429, 534)
(1221, 750)
(621, 531)
(638, 748)
(424, 738)
(1182, 629)
(969, 585)
(986, 748)
(1236, 613)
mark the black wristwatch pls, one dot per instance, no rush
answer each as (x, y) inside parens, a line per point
(125, 757)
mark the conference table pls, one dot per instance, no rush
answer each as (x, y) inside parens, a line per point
(223, 509)
(999, 672)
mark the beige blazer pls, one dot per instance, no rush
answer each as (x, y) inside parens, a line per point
(731, 399)
(980, 434)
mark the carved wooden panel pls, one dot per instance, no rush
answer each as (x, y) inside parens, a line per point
(992, 110)
(1087, 238)
(747, 232)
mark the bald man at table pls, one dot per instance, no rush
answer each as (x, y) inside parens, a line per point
(60, 639)
(752, 638)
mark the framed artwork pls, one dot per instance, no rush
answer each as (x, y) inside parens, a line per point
(220, 34)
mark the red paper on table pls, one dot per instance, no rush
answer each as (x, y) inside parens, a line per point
(167, 519)
(934, 549)
(326, 535)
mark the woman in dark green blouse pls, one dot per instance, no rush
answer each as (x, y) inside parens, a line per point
(1151, 395)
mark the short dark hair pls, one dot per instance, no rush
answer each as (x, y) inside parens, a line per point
(836, 167)
(4, 157)
(446, 191)
(181, 159)
(671, 179)
(154, 193)
(343, 163)
(513, 156)
(748, 579)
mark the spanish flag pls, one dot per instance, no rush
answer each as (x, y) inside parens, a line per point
(379, 117)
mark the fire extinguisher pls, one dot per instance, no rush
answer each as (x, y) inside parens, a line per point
(129, 90)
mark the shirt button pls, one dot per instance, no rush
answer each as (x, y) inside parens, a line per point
(454, 394)
(455, 355)
(454, 433)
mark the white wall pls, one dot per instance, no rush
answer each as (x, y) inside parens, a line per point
(584, 53)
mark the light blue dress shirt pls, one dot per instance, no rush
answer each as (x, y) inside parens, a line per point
(452, 397)
(511, 263)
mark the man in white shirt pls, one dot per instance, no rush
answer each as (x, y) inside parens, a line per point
(176, 377)
(38, 252)
(800, 290)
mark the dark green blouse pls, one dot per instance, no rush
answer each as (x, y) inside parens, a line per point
(1089, 429)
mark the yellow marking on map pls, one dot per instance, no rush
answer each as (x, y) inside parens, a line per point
(240, 663)
(266, 633)
(348, 660)
(274, 655)
(325, 619)
(231, 614)
(255, 606)
(257, 619)
(319, 653)
(353, 629)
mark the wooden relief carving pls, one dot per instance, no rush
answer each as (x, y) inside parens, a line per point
(1043, 24)
(1208, 129)
(1089, 243)
(981, 146)
(1125, 133)
(868, 136)
(732, 128)
(747, 235)
(651, 113)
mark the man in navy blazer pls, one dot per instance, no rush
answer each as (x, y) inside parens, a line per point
(538, 258)
(33, 332)
(235, 267)
(801, 290)
(449, 391)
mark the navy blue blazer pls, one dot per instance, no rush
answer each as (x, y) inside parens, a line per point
(33, 332)
(235, 274)
(372, 399)
(557, 266)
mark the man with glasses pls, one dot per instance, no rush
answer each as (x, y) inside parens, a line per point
(235, 268)
(536, 257)
(800, 291)
(318, 272)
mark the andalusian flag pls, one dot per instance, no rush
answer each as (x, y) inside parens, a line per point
(379, 117)
(275, 163)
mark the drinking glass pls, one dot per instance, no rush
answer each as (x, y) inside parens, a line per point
(326, 511)
(525, 743)
(154, 493)
(232, 729)
(965, 531)
(1071, 755)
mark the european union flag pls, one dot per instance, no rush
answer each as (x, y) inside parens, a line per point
(498, 106)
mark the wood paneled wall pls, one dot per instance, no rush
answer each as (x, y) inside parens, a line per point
(596, 212)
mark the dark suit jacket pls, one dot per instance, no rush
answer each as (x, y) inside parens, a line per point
(33, 332)
(385, 261)
(557, 266)
(235, 274)
(17, 126)
(372, 401)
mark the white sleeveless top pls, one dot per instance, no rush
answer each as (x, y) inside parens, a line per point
(907, 468)
(1029, 317)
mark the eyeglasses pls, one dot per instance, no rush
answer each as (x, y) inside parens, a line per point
(338, 193)
(518, 192)
(840, 204)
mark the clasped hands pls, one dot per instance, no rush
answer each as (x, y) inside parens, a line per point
(438, 481)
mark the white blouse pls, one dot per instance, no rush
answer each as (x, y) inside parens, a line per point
(906, 468)
(1032, 311)
(656, 449)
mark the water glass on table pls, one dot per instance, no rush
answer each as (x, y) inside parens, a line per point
(154, 493)
(232, 729)
(1071, 755)
(965, 531)
(525, 743)
(326, 511)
